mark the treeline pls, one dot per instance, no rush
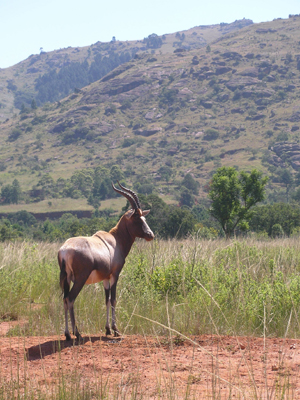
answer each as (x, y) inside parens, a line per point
(92, 183)
(55, 85)
(167, 221)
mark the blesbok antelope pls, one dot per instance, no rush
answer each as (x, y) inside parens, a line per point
(86, 260)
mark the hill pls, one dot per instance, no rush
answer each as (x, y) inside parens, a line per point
(161, 116)
(48, 77)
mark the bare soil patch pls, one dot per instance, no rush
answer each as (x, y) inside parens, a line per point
(157, 367)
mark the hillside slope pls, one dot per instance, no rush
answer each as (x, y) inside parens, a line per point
(190, 110)
(50, 76)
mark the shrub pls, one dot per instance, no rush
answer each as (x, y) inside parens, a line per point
(277, 231)
(14, 135)
(211, 134)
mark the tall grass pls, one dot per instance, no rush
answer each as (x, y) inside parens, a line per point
(244, 287)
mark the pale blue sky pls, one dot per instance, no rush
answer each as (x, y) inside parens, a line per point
(28, 25)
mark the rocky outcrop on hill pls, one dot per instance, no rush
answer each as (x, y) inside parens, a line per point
(116, 72)
(147, 132)
(295, 117)
(240, 82)
(123, 85)
(291, 152)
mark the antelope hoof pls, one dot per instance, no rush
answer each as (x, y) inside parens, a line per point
(68, 337)
(79, 337)
(108, 331)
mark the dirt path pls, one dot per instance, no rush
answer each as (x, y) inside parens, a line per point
(155, 367)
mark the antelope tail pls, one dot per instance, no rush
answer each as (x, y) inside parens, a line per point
(63, 279)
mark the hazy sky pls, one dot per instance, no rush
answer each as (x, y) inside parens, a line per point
(28, 25)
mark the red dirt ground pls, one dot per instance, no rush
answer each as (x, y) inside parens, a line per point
(207, 366)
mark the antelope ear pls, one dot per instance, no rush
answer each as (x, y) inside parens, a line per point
(145, 213)
(129, 213)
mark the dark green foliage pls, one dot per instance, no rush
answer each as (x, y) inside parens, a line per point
(110, 109)
(153, 41)
(165, 220)
(39, 119)
(166, 172)
(11, 194)
(46, 185)
(180, 222)
(23, 225)
(79, 133)
(126, 104)
(22, 218)
(187, 198)
(14, 135)
(127, 142)
(286, 177)
(232, 196)
(11, 86)
(211, 134)
(54, 85)
(33, 104)
(282, 137)
(237, 95)
(144, 188)
(167, 97)
(23, 98)
(265, 217)
(190, 183)
(277, 231)
(93, 184)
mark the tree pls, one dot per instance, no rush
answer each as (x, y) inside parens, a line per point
(33, 104)
(190, 183)
(265, 217)
(11, 194)
(232, 196)
(15, 192)
(46, 184)
(116, 173)
(286, 177)
(180, 222)
(187, 198)
(165, 172)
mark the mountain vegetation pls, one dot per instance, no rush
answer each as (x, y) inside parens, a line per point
(166, 113)
(50, 76)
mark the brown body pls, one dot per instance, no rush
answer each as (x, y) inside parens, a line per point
(87, 260)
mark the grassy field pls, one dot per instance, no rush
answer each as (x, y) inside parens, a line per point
(241, 287)
(192, 287)
(62, 204)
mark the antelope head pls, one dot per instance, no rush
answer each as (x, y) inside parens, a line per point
(136, 221)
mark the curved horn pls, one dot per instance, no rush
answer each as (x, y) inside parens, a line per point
(132, 193)
(127, 195)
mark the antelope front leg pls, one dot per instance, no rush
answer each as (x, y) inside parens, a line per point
(113, 309)
(106, 285)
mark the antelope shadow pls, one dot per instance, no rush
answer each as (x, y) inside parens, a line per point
(54, 346)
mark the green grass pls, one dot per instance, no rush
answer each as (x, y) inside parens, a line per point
(242, 287)
(61, 204)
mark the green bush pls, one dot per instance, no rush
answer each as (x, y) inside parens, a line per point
(211, 134)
